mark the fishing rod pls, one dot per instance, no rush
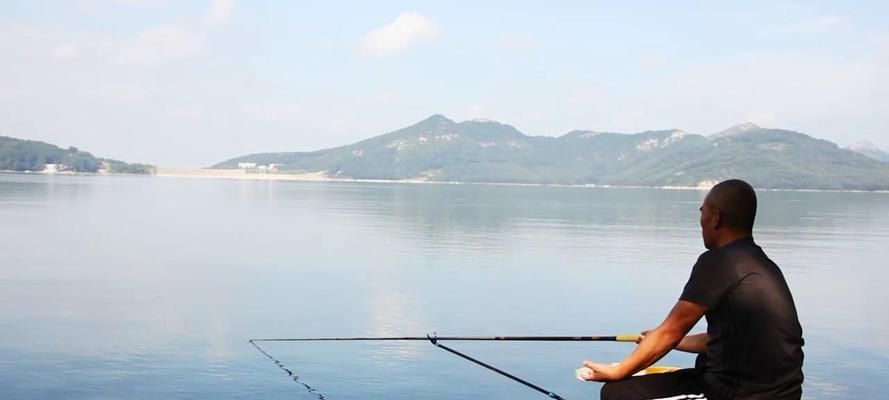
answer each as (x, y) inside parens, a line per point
(616, 338)
(435, 340)
(551, 394)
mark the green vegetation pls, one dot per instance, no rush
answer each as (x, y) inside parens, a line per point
(120, 167)
(29, 155)
(438, 149)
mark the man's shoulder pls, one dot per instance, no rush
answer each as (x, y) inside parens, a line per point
(741, 248)
(711, 256)
(726, 259)
(745, 251)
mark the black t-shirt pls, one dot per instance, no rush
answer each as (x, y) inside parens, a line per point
(755, 339)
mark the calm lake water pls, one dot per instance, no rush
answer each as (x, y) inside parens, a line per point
(148, 288)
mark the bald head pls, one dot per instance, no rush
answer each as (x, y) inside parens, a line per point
(736, 202)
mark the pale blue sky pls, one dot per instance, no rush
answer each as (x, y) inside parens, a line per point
(190, 83)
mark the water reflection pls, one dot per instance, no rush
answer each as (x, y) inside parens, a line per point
(154, 280)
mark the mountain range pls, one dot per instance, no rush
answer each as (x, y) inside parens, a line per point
(438, 149)
(868, 149)
(30, 155)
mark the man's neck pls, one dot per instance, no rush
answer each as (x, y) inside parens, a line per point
(730, 237)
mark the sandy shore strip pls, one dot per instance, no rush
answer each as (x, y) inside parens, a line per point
(323, 177)
(237, 174)
(270, 176)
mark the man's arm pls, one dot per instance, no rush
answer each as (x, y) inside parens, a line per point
(657, 343)
(694, 343)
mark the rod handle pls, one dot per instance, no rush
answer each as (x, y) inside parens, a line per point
(626, 338)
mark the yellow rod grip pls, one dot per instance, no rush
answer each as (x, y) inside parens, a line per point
(656, 369)
(626, 338)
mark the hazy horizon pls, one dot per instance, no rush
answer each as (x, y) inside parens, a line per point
(191, 84)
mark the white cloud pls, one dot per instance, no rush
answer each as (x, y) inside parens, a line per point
(409, 29)
(812, 92)
(272, 112)
(220, 12)
(65, 51)
(144, 3)
(654, 60)
(630, 118)
(170, 42)
(477, 111)
(811, 26)
(763, 118)
(114, 92)
(508, 44)
(159, 44)
(387, 97)
(186, 112)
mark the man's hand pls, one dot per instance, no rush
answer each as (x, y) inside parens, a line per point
(642, 334)
(601, 372)
(653, 344)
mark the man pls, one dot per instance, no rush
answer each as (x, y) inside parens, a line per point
(753, 345)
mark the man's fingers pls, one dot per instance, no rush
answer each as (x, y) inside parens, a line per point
(596, 367)
(598, 372)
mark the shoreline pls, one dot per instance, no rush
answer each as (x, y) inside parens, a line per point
(199, 173)
(69, 173)
(237, 174)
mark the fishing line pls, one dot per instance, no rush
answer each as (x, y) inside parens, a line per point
(288, 371)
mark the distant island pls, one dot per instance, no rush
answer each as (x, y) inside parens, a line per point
(32, 156)
(438, 149)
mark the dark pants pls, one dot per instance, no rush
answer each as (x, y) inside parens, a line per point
(680, 385)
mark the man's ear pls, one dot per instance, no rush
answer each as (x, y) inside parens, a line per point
(717, 218)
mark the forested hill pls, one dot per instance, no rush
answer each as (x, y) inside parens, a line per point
(29, 155)
(439, 149)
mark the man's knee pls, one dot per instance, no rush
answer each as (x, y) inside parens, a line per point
(612, 391)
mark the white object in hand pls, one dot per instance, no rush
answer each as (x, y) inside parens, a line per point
(584, 373)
